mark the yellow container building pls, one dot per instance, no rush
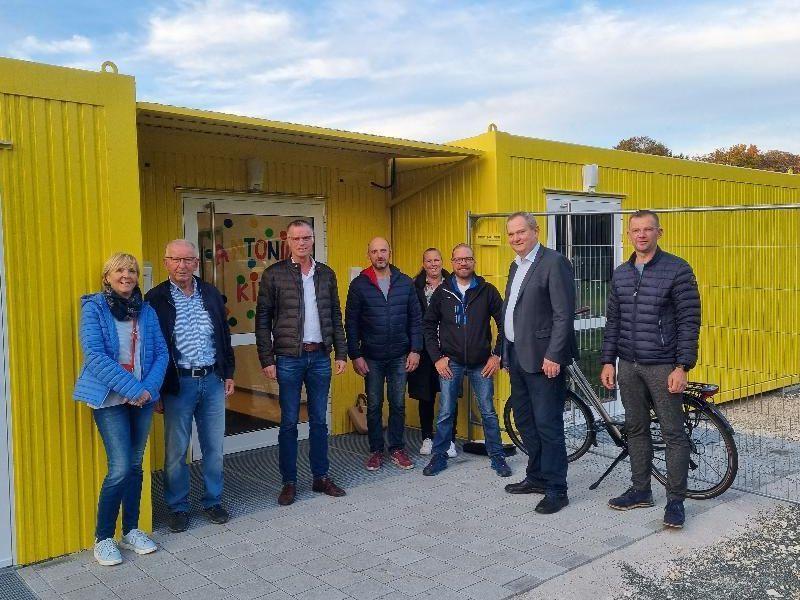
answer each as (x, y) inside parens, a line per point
(85, 170)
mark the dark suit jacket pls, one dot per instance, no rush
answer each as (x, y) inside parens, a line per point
(544, 316)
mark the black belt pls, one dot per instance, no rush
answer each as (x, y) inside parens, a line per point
(195, 371)
(313, 346)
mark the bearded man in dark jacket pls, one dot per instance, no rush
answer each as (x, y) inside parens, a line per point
(652, 327)
(458, 338)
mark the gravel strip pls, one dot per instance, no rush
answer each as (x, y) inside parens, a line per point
(776, 414)
(762, 562)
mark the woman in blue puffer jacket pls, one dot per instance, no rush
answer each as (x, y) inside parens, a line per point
(125, 359)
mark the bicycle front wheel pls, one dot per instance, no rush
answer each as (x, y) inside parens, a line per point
(714, 459)
(578, 426)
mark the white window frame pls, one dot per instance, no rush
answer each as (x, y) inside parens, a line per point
(7, 517)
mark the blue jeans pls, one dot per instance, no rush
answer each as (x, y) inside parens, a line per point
(124, 429)
(313, 369)
(538, 404)
(393, 372)
(201, 398)
(483, 388)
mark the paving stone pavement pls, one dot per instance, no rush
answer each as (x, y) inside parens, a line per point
(397, 534)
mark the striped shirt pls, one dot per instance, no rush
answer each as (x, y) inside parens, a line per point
(194, 332)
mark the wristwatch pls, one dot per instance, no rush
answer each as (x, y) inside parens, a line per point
(684, 368)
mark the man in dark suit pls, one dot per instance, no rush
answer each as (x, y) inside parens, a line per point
(538, 318)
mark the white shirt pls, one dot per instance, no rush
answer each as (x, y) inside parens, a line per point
(312, 329)
(523, 264)
(124, 333)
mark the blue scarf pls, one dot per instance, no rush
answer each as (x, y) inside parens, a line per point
(123, 309)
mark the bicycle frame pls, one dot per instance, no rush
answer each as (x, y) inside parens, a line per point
(587, 392)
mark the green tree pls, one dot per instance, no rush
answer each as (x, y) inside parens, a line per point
(748, 155)
(643, 144)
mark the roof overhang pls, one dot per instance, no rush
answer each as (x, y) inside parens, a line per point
(203, 121)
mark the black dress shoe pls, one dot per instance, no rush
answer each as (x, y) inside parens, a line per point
(524, 487)
(286, 497)
(178, 521)
(551, 504)
(325, 485)
(217, 514)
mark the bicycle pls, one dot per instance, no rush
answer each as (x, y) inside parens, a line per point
(711, 471)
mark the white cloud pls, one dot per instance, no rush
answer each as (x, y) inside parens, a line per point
(311, 69)
(694, 74)
(219, 37)
(32, 46)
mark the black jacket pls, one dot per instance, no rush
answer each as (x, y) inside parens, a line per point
(160, 298)
(423, 382)
(461, 329)
(653, 319)
(379, 327)
(280, 311)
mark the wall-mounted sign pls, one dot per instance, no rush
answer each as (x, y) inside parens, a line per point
(488, 239)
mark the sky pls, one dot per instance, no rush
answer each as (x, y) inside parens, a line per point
(696, 75)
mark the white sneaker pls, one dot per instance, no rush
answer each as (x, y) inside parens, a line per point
(451, 451)
(138, 541)
(427, 446)
(106, 552)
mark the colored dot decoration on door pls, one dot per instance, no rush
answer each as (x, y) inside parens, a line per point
(232, 322)
(251, 314)
(208, 254)
(268, 232)
(240, 279)
(228, 223)
(251, 264)
(253, 222)
(253, 276)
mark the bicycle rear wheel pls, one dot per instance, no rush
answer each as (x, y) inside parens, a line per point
(714, 459)
(578, 426)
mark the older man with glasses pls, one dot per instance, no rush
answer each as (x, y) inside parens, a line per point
(192, 317)
(298, 325)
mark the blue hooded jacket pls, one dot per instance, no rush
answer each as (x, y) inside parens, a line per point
(101, 372)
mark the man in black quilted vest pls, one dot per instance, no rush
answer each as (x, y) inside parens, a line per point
(652, 329)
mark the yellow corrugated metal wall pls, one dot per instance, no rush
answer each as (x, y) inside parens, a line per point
(746, 262)
(70, 197)
(750, 337)
(437, 216)
(355, 210)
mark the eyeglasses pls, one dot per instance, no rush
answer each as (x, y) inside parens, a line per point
(190, 260)
(305, 238)
(465, 260)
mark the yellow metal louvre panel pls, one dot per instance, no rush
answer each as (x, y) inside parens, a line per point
(746, 262)
(70, 197)
(356, 211)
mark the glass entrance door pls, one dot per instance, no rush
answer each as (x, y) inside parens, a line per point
(238, 238)
(592, 241)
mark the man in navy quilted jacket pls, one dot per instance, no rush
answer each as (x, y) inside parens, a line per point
(383, 321)
(652, 329)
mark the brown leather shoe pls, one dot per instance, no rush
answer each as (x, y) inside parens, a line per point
(287, 494)
(325, 485)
